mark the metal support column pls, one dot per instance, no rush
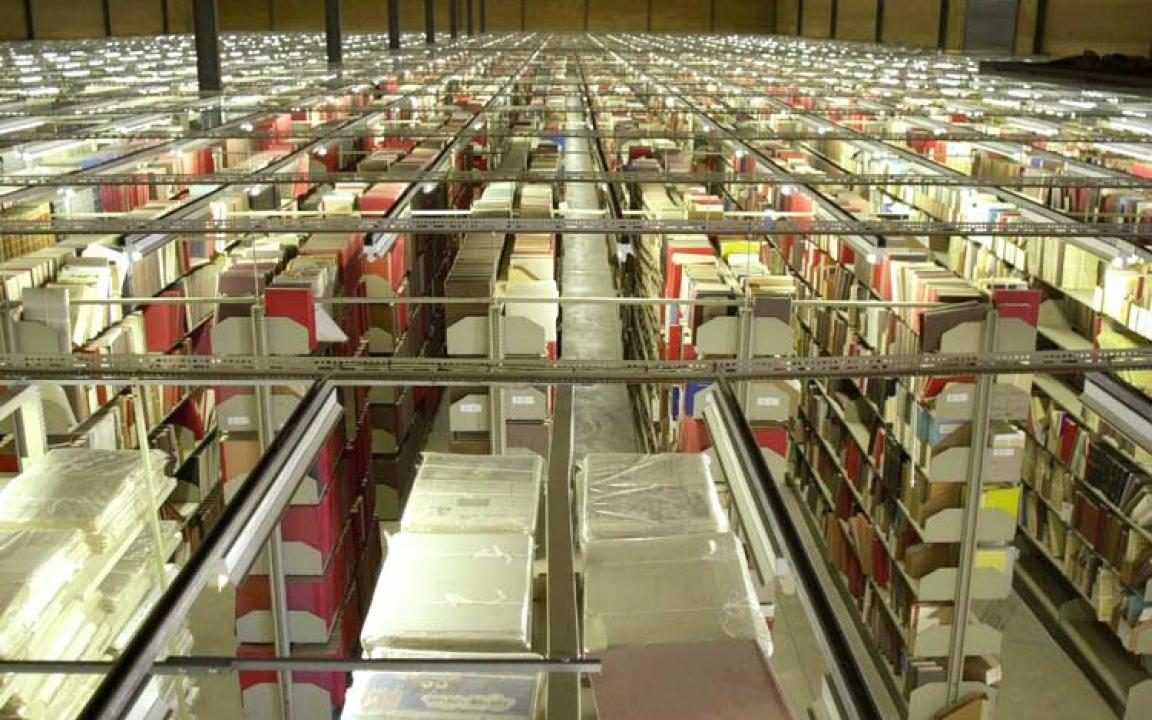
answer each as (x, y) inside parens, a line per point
(430, 22)
(1040, 28)
(454, 18)
(468, 18)
(29, 21)
(744, 349)
(206, 26)
(332, 32)
(497, 432)
(563, 636)
(483, 16)
(968, 538)
(942, 28)
(394, 24)
(275, 547)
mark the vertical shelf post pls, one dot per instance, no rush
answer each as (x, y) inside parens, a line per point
(961, 608)
(497, 434)
(276, 575)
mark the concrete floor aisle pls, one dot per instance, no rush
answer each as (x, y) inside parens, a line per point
(602, 415)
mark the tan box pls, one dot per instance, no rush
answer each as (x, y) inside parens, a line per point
(470, 443)
(534, 436)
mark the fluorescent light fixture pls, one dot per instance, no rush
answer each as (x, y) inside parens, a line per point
(286, 468)
(144, 124)
(1039, 127)
(49, 148)
(1130, 124)
(1132, 150)
(768, 561)
(19, 125)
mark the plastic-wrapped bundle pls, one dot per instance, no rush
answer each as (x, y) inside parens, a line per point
(130, 590)
(82, 489)
(682, 589)
(35, 567)
(439, 696)
(74, 523)
(622, 495)
(475, 494)
(452, 593)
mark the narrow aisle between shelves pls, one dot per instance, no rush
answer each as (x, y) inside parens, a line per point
(603, 421)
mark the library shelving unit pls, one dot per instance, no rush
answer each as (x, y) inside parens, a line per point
(288, 382)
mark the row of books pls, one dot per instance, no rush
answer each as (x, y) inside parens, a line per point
(865, 457)
(1105, 548)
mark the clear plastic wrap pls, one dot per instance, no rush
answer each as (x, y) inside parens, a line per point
(440, 696)
(683, 589)
(452, 593)
(77, 569)
(35, 567)
(623, 495)
(475, 494)
(82, 489)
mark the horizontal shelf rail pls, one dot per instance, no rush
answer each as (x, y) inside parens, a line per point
(452, 225)
(572, 176)
(381, 371)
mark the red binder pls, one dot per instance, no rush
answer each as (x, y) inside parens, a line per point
(297, 304)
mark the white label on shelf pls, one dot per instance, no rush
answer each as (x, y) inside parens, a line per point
(471, 408)
(1003, 452)
(768, 401)
(238, 420)
(956, 397)
(523, 400)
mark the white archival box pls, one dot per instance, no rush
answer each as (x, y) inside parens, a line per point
(625, 495)
(452, 593)
(475, 494)
(693, 588)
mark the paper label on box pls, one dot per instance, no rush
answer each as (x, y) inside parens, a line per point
(238, 420)
(956, 397)
(768, 401)
(523, 400)
(1002, 452)
(471, 408)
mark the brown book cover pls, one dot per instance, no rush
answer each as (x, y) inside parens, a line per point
(937, 321)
